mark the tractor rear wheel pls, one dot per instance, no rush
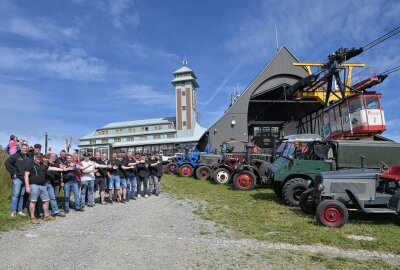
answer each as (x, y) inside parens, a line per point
(292, 191)
(306, 203)
(244, 180)
(185, 170)
(332, 213)
(171, 168)
(222, 176)
(203, 173)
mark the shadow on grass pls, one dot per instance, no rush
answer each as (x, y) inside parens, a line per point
(266, 197)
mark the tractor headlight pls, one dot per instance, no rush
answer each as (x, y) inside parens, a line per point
(321, 187)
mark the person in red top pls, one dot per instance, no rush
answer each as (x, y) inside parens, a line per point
(12, 144)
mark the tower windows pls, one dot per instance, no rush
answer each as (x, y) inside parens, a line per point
(183, 108)
(183, 92)
(184, 123)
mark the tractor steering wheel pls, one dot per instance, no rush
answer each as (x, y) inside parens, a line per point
(382, 165)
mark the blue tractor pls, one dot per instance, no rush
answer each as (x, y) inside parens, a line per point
(185, 164)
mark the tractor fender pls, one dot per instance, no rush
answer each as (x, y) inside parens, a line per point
(302, 176)
(222, 166)
(251, 169)
(355, 200)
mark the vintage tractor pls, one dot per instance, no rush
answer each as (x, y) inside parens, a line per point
(253, 170)
(373, 191)
(185, 163)
(302, 160)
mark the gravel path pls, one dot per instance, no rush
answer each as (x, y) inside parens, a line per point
(154, 233)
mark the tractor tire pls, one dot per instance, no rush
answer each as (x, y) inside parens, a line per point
(292, 190)
(244, 180)
(185, 170)
(171, 168)
(203, 173)
(332, 213)
(222, 176)
(306, 204)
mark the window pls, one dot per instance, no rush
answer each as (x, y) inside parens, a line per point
(183, 93)
(117, 140)
(184, 123)
(131, 130)
(372, 103)
(158, 128)
(144, 128)
(130, 139)
(171, 135)
(102, 132)
(183, 108)
(170, 126)
(158, 136)
(119, 130)
(143, 138)
(356, 104)
(92, 141)
(104, 140)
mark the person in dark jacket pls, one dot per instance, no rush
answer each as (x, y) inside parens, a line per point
(37, 148)
(142, 168)
(15, 165)
(155, 173)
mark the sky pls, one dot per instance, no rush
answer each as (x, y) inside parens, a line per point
(69, 67)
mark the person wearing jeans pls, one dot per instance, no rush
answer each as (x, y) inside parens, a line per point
(68, 187)
(114, 179)
(15, 165)
(130, 166)
(87, 186)
(70, 183)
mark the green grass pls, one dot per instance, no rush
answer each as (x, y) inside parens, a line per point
(6, 221)
(259, 214)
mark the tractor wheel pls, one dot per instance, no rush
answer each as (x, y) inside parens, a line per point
(171, 168)
(292, 191)
(203, 173)
(185, 170)
(222, 176)
(332, 213)
(306, 204)
(244, 180)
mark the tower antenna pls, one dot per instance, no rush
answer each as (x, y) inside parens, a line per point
(185, 61)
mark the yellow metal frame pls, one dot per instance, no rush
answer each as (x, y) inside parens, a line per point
(320, 93)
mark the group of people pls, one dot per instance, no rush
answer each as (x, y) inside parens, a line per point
(124, 177)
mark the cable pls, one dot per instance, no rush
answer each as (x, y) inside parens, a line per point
(381, 39)
(387, 72)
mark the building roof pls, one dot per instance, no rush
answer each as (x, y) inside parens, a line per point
(182, 136)
(143, 122)
(183, 69)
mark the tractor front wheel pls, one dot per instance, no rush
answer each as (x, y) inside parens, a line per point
(244, 180)
(332, 213)
(186, 170)
(222, 176)
(203, 173)
(171, 168)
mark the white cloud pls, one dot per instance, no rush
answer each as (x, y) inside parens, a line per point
(145, 95)
(74, 64)
(122, 12)
(12, 21)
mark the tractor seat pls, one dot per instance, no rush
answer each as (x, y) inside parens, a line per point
(391, 174)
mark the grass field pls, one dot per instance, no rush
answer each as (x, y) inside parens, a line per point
(260, 214)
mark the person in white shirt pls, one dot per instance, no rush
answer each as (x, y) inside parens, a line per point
(87, 179)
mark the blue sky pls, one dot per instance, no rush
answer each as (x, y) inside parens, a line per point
(68, 67)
